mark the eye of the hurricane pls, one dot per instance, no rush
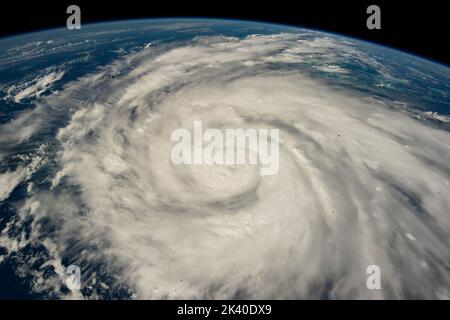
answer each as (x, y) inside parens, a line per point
(215, 182)
(219, 183)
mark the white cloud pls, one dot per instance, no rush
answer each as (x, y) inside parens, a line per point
(38, 86)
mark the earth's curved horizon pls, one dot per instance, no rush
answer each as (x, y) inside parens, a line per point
(86, 177)
(260, 22)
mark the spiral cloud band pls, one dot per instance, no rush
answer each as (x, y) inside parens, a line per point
(359, 183)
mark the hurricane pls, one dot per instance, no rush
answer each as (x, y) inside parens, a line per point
(363, 178)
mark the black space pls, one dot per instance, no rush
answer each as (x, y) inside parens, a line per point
(420, 27)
